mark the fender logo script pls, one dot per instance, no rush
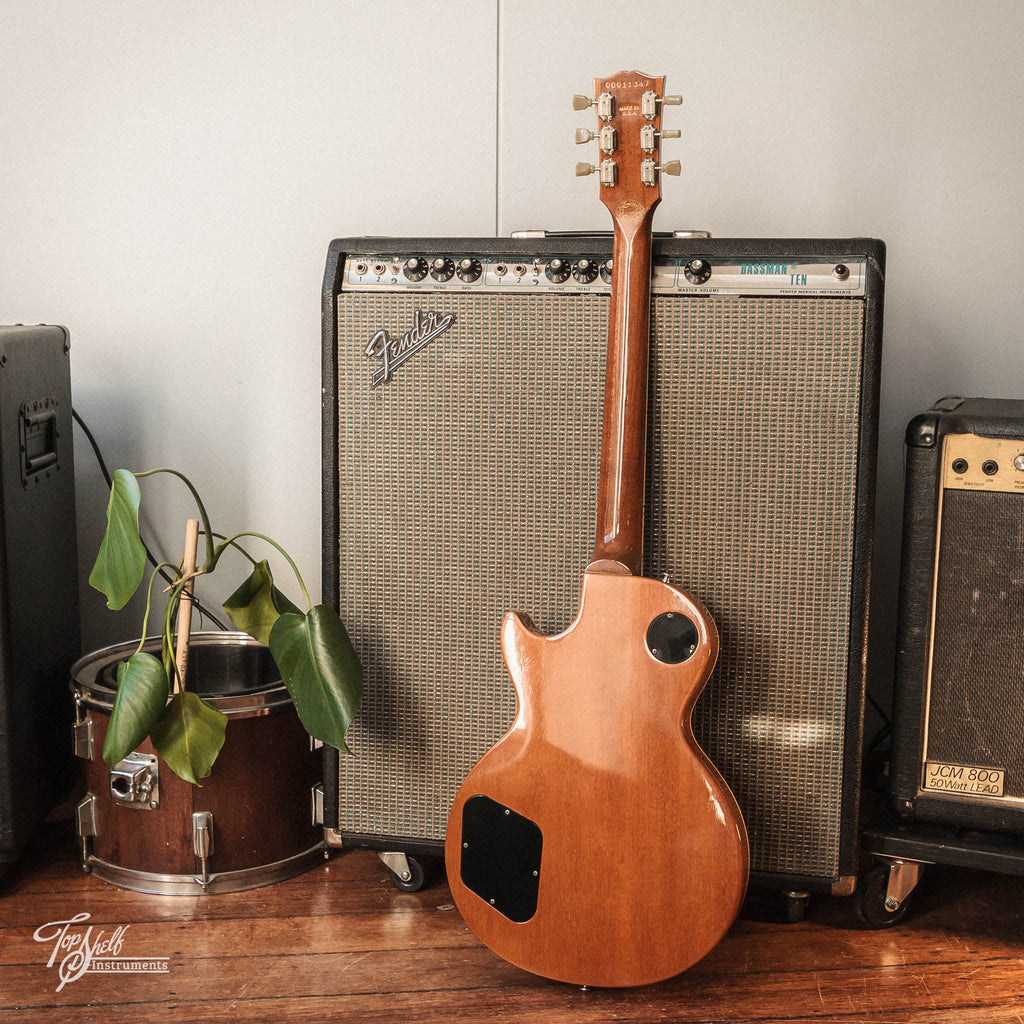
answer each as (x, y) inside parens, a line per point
(392, 352)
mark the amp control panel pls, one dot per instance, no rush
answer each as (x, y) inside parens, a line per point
(702, 275)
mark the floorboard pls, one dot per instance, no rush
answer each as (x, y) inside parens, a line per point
(340, 943)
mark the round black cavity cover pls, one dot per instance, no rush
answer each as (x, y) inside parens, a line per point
(672, 638)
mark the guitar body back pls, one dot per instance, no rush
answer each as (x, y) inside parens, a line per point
(595, 843)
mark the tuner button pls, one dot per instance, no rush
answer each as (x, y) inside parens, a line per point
(582, 170)
(671, 167)
(583, 136)
(580, 102)
(671, 101)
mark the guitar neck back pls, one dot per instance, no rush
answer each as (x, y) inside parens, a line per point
(629, 123)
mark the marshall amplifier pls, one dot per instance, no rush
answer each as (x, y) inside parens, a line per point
(39, 632)
(958, 740)
(463, 387)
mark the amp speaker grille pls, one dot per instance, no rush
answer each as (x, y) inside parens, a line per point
(975, 714)
(755, 405)
(466, 487)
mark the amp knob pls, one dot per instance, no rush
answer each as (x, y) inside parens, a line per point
(442, 269)
(557, 271)
(585, 271)
(415, 268)
(697, 271)
(468, 270)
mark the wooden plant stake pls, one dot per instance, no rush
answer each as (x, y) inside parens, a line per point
(188, 572)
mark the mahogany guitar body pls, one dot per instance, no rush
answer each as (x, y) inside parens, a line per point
(595, 843)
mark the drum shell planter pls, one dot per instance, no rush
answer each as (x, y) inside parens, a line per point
(250, 823)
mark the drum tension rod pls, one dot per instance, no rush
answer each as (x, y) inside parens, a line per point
(202, 843)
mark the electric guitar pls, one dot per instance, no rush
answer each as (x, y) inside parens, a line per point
(595, 843)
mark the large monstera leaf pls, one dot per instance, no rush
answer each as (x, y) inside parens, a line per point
(142, 690)
(121, 558)
(257, 604)
(186, 731)
(321, 671)
(189, 736)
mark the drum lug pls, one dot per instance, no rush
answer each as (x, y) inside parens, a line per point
(85, 825)
(202, 843)
(82, 733)
(135, 782)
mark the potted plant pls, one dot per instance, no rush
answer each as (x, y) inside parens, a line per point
(311, 649)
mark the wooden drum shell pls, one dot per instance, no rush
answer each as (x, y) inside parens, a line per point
(259, 793)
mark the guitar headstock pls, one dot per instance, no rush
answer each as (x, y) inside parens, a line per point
(629, 136)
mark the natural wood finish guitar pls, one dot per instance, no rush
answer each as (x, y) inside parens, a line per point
(595, 843)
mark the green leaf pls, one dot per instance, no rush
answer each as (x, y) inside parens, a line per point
(121, 558)
(189, 736)
(140, 702)
(256, 605)
(319, 666)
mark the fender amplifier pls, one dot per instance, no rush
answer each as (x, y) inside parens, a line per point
(958, 737)
(463, 382)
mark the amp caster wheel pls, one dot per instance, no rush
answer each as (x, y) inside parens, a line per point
(883, 898)
(407, 873)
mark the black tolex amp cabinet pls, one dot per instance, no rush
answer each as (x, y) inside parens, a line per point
(958, 741)
(463, 382)
(39, 631)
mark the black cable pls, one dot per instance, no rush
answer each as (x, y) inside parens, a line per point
(149, 554)
(876, 704)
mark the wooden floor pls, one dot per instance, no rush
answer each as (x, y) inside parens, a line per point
(340, 943)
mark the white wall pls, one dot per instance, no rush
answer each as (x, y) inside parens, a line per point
(172, 174)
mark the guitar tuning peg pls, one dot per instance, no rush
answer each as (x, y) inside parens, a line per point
(671, 167)
(583, 135)
(670, 133)
(605, 104)
(650, 100)
(609, 171)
